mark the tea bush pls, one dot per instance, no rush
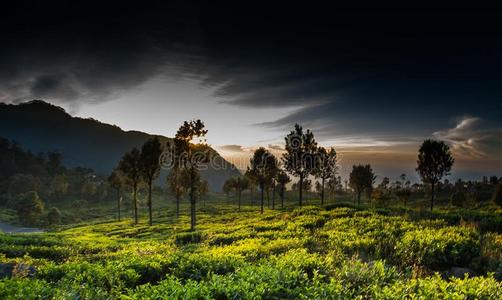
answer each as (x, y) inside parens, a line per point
(305, 253)
(439, 248)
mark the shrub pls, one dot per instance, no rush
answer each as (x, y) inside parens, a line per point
(29, 207)
(436, 288)
(187, 238)
(458, 199)
(497, 195)
(54, 216)
(438, 248)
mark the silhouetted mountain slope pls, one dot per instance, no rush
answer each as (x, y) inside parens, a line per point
(42, 127)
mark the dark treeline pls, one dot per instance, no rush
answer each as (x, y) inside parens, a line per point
(316, 168)
(30, 182)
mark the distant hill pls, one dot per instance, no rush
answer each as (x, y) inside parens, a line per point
(41, 127)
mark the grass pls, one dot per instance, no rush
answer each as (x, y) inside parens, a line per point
(338, 252)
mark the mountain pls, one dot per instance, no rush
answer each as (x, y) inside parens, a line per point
(42, 127)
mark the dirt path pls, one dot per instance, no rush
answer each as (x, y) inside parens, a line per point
(14, 229)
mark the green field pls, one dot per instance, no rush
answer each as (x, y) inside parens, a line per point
(336, 252)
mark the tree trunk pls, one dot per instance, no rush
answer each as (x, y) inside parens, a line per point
(150, 202)
(252, 195)
(273, 196)
(239, 199)
(262, 191)
(118, 203)
(177, 206)
(192, 200)
(300, 188)
(135, 201)
(282, 197)
(322, 191)
(359, 197)
(432, 194)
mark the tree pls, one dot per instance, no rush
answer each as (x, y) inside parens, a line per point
(150, 167)
(263, 168)
(177, 184)
(434, 161)
(23, 183)
(361, 178)
(282, 179)
(89, 190)
(29, 207)
(403, 190)
(299, 158)
(239, 184)
(497, 195)
(117, 181)
(131, 167)
(54, 163)
(228, 186)
(252, 185)
(325, 167)
(458, 199)
(203, 190)
(54, 216)
(189, 157)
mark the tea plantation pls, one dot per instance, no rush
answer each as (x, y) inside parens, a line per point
(336, 252)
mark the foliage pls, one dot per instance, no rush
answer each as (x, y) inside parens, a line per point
(458, 199)
(434, 162)
(439, 248)
(130, 166)
(361, 178)
(304, 253)
(263, 169)
(54, 216)
(497, 195)
(29, 207)
(299, 158)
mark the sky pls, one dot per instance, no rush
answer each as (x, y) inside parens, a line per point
(373, 82)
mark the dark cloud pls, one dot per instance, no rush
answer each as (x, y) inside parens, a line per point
(374, 71)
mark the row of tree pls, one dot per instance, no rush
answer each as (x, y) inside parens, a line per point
(303, 158)
(184, 160)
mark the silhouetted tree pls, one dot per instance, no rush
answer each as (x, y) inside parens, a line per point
(190, 157)
(263, 168)
(177, 184)
(131, 167)
(150, 167)
(325, 167)
(228, 186)
(282, 180)
(434, 162)
(403, 190)
(361, 178)
(252, 185)
(240, 184)
(117, 181)
(497, 195)
(299, 158)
